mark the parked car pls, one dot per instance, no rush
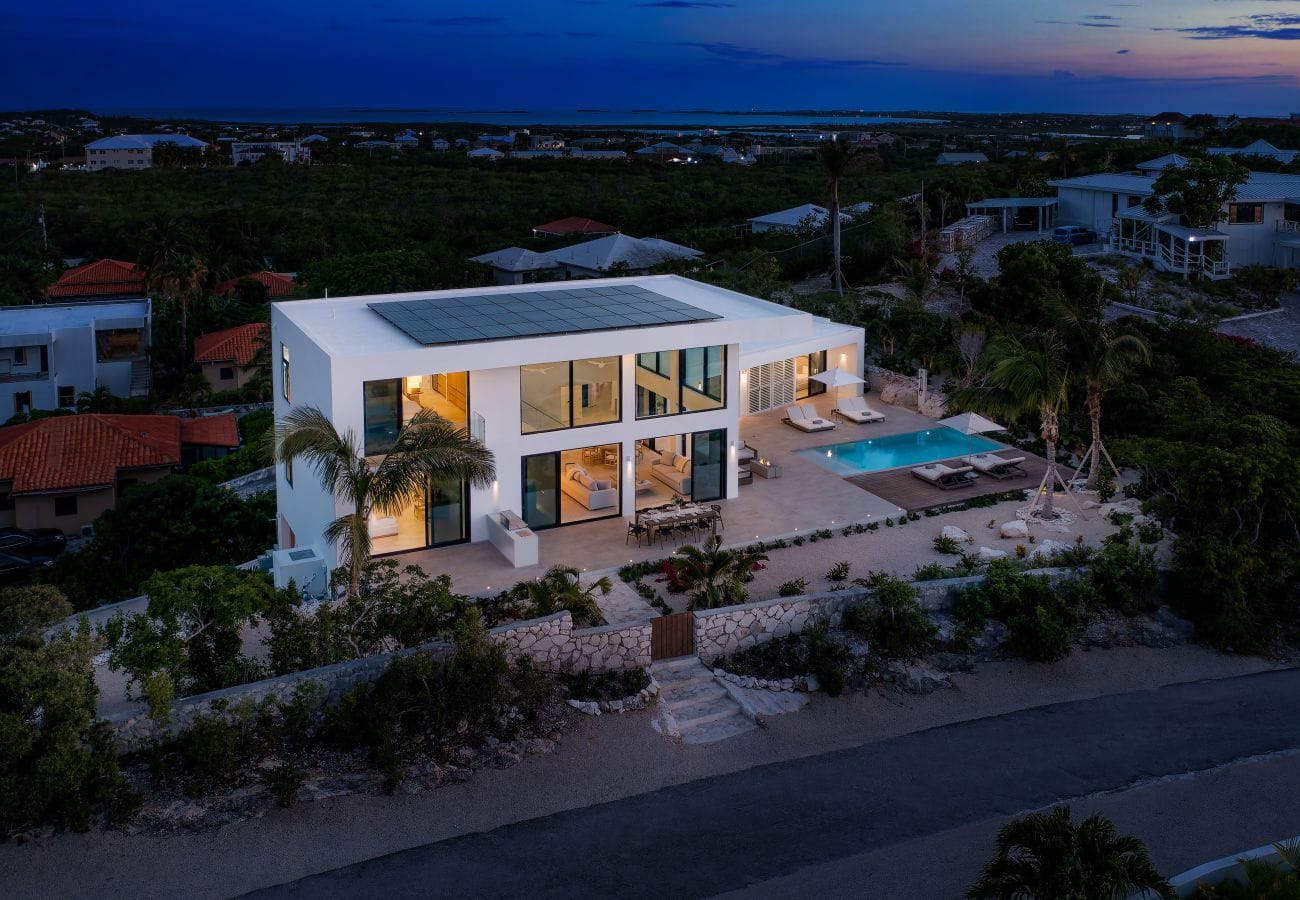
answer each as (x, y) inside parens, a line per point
(1074, 235)
(17, 570)
(34, 544)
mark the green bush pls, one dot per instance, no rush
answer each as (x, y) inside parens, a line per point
(284, 780)
(894, 623)
(1121, 576)
(1150, 532)
(811, 652)
(945, 544)
(795, 587)
(838, 572)
(614, 685)
(1040, 621)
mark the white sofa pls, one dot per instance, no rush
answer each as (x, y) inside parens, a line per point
(593, 493)
(673, 470)
(382, 526)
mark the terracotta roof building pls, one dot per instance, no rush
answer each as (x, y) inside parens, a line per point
(277, 284)
(64, 471)
(573, 225)
(102, 279)
(230, 358)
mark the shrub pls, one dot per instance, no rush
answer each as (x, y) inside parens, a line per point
(795, 587)
(811, 652)
(284, 780)
(894, 624)
(606, 685)
(945, 544)
(1122, 576)
(1040, 621)
(931, 572)
(1105, 487)
(1150, 532)
(838, 572)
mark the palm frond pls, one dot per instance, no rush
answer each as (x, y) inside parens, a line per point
(429, 448)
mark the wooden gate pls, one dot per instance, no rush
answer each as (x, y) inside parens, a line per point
(672, 636)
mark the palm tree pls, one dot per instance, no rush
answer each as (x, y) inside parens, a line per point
(1046, 855)
(715, 577)
(1026, 374)
(561, 588)
(427, 449)
(838, 158)
(1104, 357)
(173, 268)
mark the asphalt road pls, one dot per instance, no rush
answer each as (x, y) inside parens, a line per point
(739, 831)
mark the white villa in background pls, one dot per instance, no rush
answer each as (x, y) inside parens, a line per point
(596, 399)
(1258, 148)
(133, 151)
(251, 152)
(1260, 227)
(51, 353)
(807, 217)
(619, 253)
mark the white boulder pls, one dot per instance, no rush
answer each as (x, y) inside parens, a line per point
(957, 534)
(1014, 529)
(1048, 549)
(990, 553)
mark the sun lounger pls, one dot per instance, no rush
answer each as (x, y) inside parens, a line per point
(945, 477)
(855, 409)
(798, 417)
(997, 467)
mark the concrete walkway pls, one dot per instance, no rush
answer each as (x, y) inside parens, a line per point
(738, 831)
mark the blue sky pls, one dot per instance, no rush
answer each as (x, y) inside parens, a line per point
(980, 55)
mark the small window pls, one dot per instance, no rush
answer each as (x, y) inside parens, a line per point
(288, 472)
(284, 372)
(1245, 213)
(226, 373)
(67, 396)
(6, 500)
(20, 356)
(22, 401)
(65, 506)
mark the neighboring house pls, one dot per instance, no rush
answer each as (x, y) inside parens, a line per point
(537, 154)
(1260, 227)
(231, 358)
(51, 353)
(485, 153)
(506, 140)
(406, 139)
(577, 390)
(279, 285)
(515, 265)
(373, 145)
(665, 151)
(439, 144)
(315, 139)
(133, 151)
(572, 225)
(808, 217)
(64, 471)
(619, 253)
(102, 279)
(577, 153)
(545, 142)
(1169, 126)
(960, 159)
(1258, 148)
(289, 151)
(1159, 164)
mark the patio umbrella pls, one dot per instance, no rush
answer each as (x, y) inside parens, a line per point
(837, 378)
(969, 423)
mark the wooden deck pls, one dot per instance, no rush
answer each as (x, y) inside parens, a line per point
(902, 488)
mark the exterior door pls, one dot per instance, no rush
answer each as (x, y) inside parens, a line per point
(541, 493)
(447, 513)
(708, 465)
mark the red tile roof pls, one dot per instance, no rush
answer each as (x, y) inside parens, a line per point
(102, 278)
(239, 345)
(88, 451)
(575, 225)
(276, 284)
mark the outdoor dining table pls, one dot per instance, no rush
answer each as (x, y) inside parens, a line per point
(659, 520)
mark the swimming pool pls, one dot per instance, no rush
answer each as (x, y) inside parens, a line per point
(910, 449)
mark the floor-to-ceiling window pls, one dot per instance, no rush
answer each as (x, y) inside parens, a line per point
(804, 368)
(383, 415)
(690, 466)
(708, 465)
(571, 486)
(569, 394)
(681, 381)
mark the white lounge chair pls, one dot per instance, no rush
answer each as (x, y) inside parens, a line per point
(997, 467)
(946, 477)
(798, 417)
(855, 409)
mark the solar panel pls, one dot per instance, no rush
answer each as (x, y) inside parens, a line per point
(491, 317)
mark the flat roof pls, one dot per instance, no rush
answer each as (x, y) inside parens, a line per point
(469, 318)
(1012, 202)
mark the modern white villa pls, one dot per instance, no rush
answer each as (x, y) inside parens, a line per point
(597, 399)
(1260, 227)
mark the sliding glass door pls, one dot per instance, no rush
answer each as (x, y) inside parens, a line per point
(708, 465)
(448, 513)
(541, 476)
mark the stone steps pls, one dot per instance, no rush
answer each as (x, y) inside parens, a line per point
(693, 705)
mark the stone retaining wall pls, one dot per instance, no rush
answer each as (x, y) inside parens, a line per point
(554, 645)
(902, 390)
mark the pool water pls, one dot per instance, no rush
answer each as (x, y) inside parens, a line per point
(895, 450)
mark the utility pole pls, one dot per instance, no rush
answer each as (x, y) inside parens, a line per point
(923, 218)
(45, 237)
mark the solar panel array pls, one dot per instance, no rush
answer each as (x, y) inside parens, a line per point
(491, 317)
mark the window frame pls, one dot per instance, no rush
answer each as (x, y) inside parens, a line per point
(618, 395)
(64, 499)
(1235, 219)
(682, 386)
(284, 372)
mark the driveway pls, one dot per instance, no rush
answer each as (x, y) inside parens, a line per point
(752, 831)
(1279, 330)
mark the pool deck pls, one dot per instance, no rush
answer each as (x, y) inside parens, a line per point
(901, 488)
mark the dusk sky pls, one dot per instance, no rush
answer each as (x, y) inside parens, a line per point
(980, 55)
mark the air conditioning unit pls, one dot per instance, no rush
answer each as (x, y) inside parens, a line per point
(304, 567)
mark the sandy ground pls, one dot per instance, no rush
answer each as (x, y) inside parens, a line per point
(599, 760)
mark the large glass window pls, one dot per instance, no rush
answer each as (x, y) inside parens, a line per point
(681, 381)
(569, 394)
(708, 465)
(804, 368)
(383, 414)
(541, 500)
(572, 486)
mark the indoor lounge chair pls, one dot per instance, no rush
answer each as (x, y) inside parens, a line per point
(945, 477)
(855, 409)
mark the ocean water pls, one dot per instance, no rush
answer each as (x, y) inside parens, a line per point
(648, 118)
(895, 450)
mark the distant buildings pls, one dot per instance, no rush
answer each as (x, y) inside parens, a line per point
(960, 159)
(808, 217)
(614, 254)
(231, 358)
(51, 353)
(102, 279)
(1259, 148)
(133, 151)
(278, 285)
(572, 225)
(245, 153)
(64, 471)
(1169, 126)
